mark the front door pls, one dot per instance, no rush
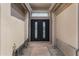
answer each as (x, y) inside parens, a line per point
(39, 30)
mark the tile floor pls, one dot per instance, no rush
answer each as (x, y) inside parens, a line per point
(41, 49)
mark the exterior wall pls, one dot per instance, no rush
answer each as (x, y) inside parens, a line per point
(78, 31)
(0, 29)
(66, 30)
(12, 30)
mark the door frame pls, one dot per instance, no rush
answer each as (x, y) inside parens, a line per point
(50, 34)
(52, 23)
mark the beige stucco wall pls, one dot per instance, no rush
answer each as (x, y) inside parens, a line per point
(66, 26)
(12, 30)
(0, 28)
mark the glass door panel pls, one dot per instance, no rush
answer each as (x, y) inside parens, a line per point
(36, 32)
(43, 30)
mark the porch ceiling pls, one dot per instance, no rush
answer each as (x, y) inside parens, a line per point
(40, 6)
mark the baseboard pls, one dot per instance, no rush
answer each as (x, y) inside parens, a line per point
(66, 49)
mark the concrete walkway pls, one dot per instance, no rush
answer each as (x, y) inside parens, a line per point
(41, 49)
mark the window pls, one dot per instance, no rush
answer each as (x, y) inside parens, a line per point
(40, 14)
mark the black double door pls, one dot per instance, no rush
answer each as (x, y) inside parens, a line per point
(39, 30)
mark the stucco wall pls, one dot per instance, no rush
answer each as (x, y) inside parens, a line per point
(0, 29)
(12, 30)
(66, 26)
